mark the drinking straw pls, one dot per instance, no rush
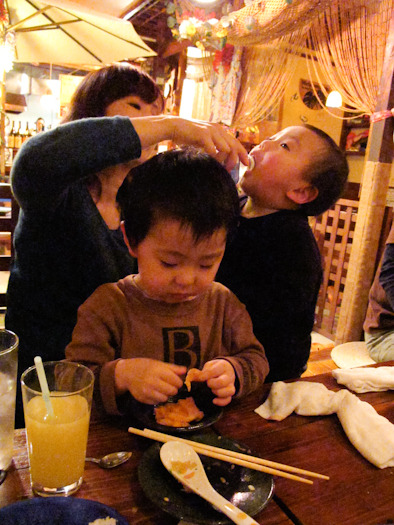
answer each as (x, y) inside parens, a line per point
(43, 384)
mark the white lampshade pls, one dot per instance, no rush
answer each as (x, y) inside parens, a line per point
(334, 100)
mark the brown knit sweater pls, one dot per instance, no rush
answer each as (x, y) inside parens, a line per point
(119, 321)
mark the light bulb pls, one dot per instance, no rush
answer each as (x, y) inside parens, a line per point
(334, 100)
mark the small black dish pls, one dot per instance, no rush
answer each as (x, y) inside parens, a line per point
(202, 395)
(250, 490)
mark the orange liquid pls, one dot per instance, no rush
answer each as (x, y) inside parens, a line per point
(57, 445)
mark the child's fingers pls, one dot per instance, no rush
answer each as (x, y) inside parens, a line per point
(177, 369)
(222, 401)
(153, 398)
(173, 374)
(159, 392)
(225, 389)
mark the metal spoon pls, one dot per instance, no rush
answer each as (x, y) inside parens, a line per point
(111, 460)
(183, 463)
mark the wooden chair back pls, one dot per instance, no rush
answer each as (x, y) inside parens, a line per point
(334, 231)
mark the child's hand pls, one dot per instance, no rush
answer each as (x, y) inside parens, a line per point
(220, 378)
(148, 380)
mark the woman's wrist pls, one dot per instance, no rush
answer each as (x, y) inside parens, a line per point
(154, 129)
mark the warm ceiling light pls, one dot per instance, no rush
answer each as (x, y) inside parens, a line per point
(334, 100)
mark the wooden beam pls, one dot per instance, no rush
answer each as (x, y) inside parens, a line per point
(375, 185)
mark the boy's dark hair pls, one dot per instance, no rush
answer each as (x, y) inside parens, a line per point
(182, 184)
(328, 173)
(100, 88)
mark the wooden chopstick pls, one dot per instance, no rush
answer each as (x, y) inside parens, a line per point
(221, 455)
(246, 457)
(234, 457)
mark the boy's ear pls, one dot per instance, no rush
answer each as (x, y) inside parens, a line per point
(303, 195)
(126, 240)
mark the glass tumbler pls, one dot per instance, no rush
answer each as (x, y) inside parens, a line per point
(57, 427)
(8, 369)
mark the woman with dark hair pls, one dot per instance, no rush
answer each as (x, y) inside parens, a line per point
(108, 85)
(67, 182)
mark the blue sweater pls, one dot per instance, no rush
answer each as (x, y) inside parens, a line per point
(63, 248)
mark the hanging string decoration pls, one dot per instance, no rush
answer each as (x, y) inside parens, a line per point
(266, 72)
(272, 19)
(271, 49)
(345, 40)
(349, 40)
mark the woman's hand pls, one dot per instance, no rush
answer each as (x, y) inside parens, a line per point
(148, 380)
(214, 139)
(220, 377)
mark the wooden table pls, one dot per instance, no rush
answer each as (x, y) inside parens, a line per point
(357, 494)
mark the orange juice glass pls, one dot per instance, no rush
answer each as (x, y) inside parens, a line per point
(57, 441)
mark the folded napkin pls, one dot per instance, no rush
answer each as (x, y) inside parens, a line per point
(371, 433)
(362, 380)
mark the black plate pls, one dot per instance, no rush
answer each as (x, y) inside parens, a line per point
(202, 396)
(247, 489)
(57, 511)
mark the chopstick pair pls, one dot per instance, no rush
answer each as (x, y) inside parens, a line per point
(244, 460)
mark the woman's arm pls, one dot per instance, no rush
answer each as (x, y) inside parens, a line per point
(213, 138)
(49, 162)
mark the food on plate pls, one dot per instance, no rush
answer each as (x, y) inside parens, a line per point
(179, 414)
(194, 374)
(181, 467)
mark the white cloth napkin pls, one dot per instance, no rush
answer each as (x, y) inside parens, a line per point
(371, 433)
(362, 380)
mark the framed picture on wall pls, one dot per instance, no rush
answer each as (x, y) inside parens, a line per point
(355, 133)
(357, 139)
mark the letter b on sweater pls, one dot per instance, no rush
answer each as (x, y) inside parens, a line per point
(182, 346)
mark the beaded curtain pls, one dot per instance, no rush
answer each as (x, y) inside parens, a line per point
(266, 70)
(348, 39)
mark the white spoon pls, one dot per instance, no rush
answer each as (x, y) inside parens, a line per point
(184, 464)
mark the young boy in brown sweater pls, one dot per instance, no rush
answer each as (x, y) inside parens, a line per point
(142, 333)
